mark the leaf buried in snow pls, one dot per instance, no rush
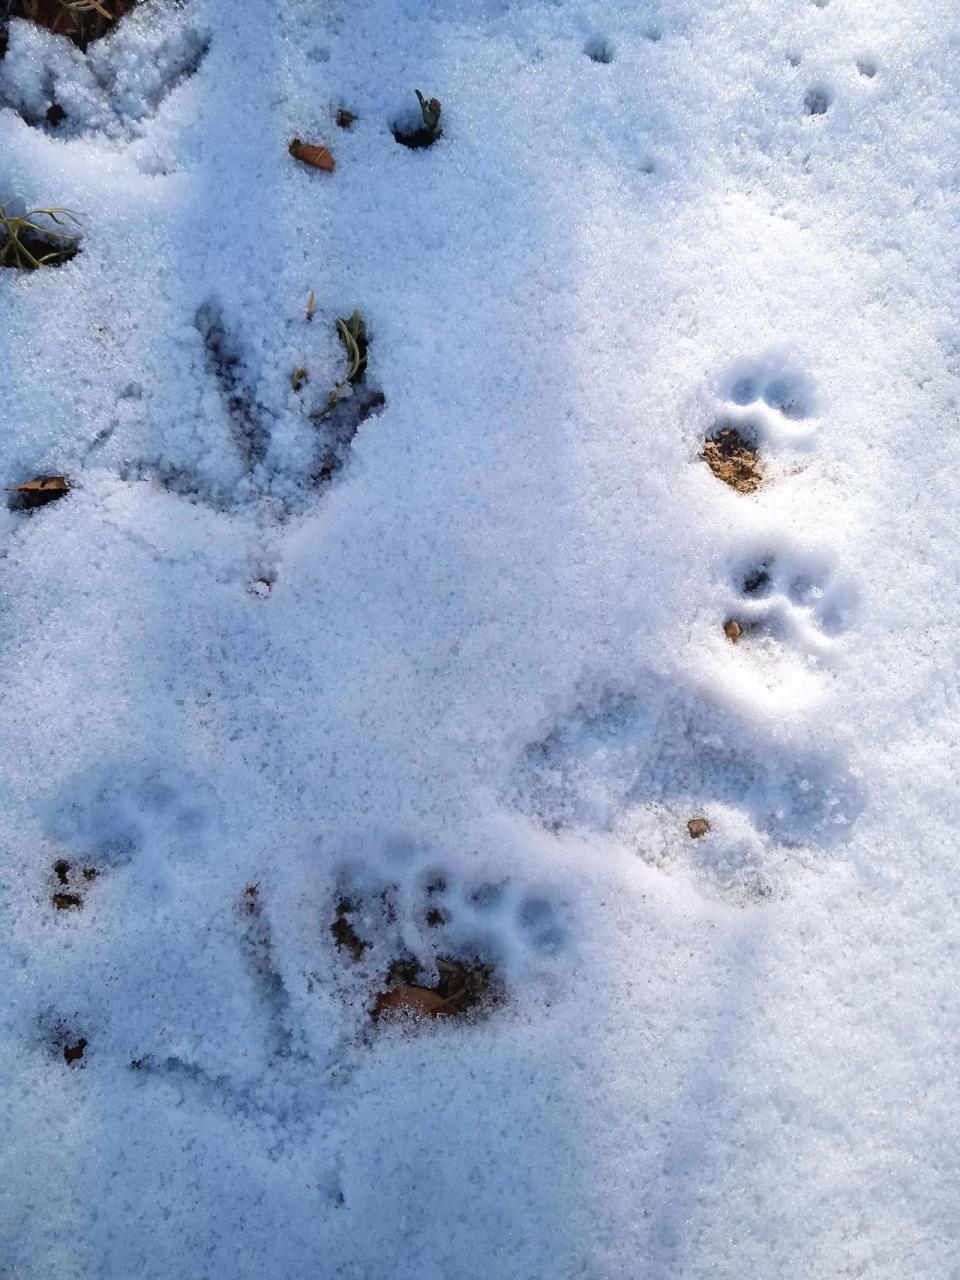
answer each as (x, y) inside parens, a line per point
(41, 490)
(298, 378)
(422, 1002)
(308, 153)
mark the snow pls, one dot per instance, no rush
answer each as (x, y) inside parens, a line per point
(482, 668)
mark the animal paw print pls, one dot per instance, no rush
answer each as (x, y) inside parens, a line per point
(789, 598)
(635, 765)
(763, 420)
(112, 815)
(410, 932)
(252, 405)
(775, 385)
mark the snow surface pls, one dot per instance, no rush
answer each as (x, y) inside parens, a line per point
(489, 670)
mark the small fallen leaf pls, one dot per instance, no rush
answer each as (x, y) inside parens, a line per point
(298, 378)
(41, 490)
(64, 901)
(310, 303)
(698, 827)
(318, 157)
(420, 1001)
(732, 630)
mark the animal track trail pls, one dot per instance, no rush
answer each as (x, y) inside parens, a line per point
(774, 384)
(230, 367)
(637, 764)
(257, 943)
(790, 598)
(113, 814)
(785, 602)
(408, 916)
(761, 419)
(258, 474)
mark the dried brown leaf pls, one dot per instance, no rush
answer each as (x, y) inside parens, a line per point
(422, 1002)
(308, 153)
(42, 488)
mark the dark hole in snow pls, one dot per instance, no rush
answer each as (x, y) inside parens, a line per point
(599, 49)
(756, 581)
(817, 100)
(418, 131)
(62, 869)
(55, 114)
(415, 137)
(867, 68)
(67, 901)
(31, 250)
(74, 1052)
(344, 934)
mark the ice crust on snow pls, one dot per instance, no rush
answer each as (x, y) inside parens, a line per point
(487, 684)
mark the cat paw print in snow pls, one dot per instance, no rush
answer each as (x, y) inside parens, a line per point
(762, 426)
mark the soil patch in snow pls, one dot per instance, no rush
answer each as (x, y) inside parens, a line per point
(733, 458)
